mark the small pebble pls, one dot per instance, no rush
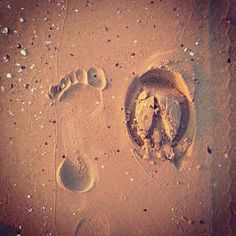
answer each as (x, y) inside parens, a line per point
(191, 53)
(9, 75)
(6, 58)
(22, 20)
(5, 31)
(199, 167)
(30, 210)
(190, 222)
(23, 52)
(118, 10)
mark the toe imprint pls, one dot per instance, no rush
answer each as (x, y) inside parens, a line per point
(93, 77)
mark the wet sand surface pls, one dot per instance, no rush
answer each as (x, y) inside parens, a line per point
(117, 117)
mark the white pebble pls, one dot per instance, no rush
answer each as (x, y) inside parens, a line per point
(22, 20)
(191, 53)
(5, 30)
(23, 52)
(6, 58)
(9, 75)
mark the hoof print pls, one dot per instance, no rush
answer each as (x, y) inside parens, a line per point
(75, 176)
(157, 116)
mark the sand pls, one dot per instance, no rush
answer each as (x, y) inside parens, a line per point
(117, 117)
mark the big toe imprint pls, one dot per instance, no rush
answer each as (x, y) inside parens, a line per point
(157, 116)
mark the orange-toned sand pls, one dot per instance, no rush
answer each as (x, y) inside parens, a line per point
(116, 117)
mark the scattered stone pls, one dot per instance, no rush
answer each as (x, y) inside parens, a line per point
(6, 58)
(5, 30)
(22, 20)
(191, 54)
(199, 167)
(9, 75)
(119, 10)
(30, 210)
(23, 52)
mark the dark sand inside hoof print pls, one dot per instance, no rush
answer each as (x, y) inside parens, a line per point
(75, 176)
(157, 116)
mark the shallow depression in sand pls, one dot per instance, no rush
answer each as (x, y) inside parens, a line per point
(76, 176)
(93, 225)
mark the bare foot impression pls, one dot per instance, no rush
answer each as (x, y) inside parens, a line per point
(75, 176)
(157, 116)
(93, 225)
